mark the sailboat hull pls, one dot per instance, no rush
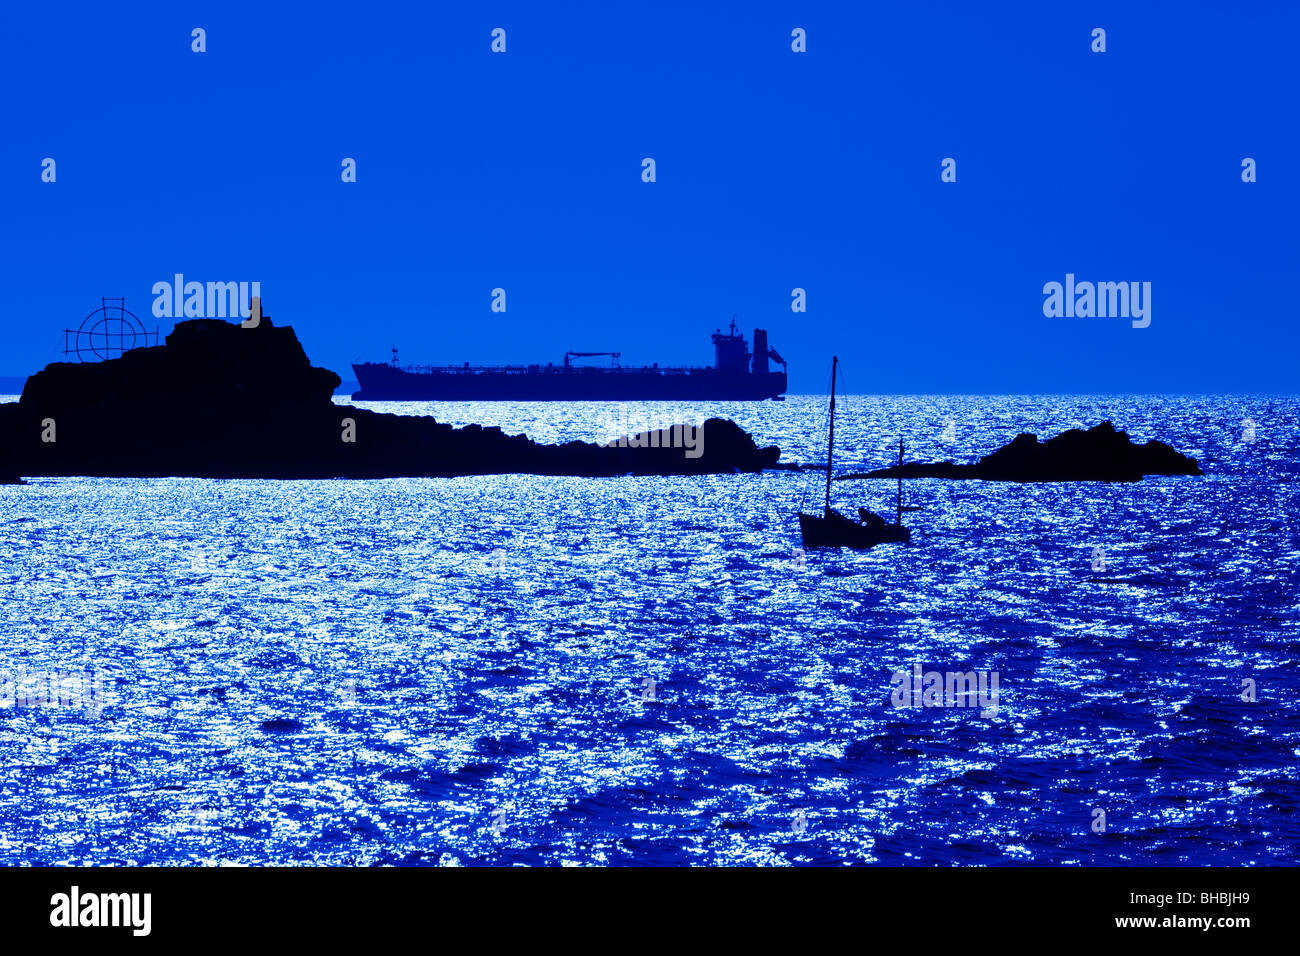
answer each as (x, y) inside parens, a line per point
(837, 531)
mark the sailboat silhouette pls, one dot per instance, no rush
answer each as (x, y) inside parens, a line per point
(832, 529)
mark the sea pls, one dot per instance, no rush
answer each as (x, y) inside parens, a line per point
(517, 669)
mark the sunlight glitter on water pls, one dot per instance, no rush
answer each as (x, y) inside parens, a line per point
(362, 672)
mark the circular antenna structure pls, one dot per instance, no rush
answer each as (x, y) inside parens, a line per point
(107, 333)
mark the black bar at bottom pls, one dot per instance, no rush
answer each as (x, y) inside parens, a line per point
(331, 906)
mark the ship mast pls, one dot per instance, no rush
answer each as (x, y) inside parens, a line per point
(830, 442)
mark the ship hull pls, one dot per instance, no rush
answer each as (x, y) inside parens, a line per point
(388, 383)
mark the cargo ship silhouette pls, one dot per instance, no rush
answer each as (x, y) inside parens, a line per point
(736, 375)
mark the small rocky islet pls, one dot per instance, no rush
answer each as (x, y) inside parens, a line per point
(1100, 453)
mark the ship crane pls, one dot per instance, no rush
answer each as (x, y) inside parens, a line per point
(613, 355)
(775, 356)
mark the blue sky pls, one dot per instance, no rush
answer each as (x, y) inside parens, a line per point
(775, 170)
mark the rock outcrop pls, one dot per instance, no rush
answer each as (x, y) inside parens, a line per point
(1100, 453)
(222, 401)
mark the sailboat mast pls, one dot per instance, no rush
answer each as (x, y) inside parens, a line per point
(830, 442)
(898, 520)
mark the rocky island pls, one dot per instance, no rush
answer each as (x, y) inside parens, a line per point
(1100, 453)
(219, 400)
